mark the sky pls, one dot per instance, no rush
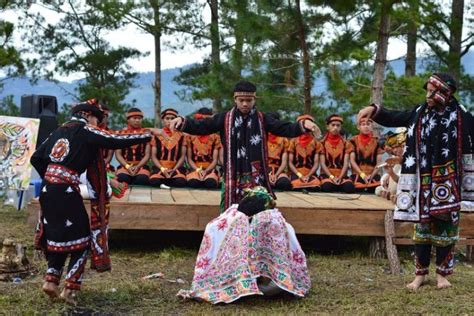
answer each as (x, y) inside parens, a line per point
(169, 58)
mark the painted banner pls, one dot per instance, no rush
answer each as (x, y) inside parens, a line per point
(17, 143)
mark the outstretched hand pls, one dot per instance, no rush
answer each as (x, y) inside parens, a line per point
(315, 130)
(175, 123)
(366, 112)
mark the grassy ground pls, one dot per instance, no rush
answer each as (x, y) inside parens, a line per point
(343, 282)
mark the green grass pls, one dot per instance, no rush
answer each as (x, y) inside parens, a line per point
(348, 282)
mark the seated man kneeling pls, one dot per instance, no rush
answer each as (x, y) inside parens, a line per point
(249, 250)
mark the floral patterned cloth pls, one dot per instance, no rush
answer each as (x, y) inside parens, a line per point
(235, 252)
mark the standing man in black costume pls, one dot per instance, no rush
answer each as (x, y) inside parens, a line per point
(437, 172)
(64, 228)
(243, 131)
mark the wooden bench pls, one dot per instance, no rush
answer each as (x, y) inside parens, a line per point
(313, 213)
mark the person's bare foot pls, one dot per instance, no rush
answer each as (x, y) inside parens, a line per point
(442, 282)
(51, 289)
(416, 283)
(68, 296)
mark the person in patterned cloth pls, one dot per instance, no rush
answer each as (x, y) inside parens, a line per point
(63, 229)
(437, 172)
(249, 250)
(335, 158)
(243, 131)
(365, 157)
(202, 156)
(278, 160)
(133, 160)
(168, 155)
(304, 160)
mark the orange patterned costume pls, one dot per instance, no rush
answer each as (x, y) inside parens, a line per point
(133, 156)
(366, 149)
(278, 160)
(201, 149)
(335, 156)
(168, 157)
(203, 154)
(304, 159)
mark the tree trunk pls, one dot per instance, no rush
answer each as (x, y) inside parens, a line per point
(215, 51)
(410, 61)
(392, 253)
(305, 55)
(455, 38)
(237, 54)
(381, 55)
(157, 83)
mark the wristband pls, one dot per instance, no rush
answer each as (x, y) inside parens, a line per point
(299, 175)
(331, 177)
(127, 166)
(162, 169)
(199, 169)
(362, 175)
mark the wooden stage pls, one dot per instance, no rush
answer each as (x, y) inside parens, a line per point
(314, 213)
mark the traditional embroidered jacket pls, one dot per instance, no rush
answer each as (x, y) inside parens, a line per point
(68, 152)
(202, 148)
(366, 149)
(304, 151)
(438, 163)
(133, 154)
(334, 149)
(168, 152)
(245, 146)
(277, 146)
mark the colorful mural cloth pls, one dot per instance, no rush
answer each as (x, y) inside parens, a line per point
(17, 143)
(236, 252)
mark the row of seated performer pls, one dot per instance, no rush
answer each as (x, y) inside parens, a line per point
(303, 156)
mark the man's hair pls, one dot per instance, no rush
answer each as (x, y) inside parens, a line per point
(334, 117)
(205, 111)
(134, 112)
(245, 86)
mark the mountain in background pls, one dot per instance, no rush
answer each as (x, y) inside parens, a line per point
(143, 92)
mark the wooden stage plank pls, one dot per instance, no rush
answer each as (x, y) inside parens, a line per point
(183, 196)
(206, 197)
(314, 213)
(287, 199)
(161, 196)
(139, 195)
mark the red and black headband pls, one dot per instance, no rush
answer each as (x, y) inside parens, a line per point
(169, 112)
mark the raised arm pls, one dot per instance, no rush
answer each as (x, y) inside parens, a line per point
(386, 117)
(287, 129)
(204, 126)
(108, 140)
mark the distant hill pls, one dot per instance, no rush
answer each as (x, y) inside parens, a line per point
(143, 93)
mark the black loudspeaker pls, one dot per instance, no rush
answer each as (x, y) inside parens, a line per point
(44, 107)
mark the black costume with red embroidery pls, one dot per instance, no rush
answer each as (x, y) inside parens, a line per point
(63, 226)
(245, 147)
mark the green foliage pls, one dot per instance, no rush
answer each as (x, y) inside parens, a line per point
(8, 107)
(11, 63)
(76, 45)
